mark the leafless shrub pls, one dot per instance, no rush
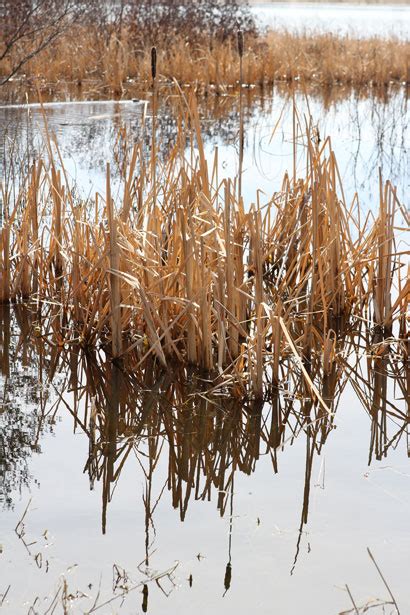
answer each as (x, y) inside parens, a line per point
(28, 27)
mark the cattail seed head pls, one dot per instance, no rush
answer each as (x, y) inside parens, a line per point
(153, 62)
(228, 576)
(240, 43)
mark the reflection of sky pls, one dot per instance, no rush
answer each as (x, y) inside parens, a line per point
(86, 133)
(344, 18)
(365, 133)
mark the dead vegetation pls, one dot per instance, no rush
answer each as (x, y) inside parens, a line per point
(181, 271)
(85, 56)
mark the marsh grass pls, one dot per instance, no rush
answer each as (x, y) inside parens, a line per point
(178, 270)
(116, 60)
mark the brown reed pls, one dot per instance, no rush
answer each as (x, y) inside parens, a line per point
(180, 272)
(89, 54)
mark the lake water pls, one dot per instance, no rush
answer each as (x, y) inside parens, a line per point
(345, 18)
(300, 503)
(366, 134)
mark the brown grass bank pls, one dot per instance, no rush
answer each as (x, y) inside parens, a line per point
(117, 60)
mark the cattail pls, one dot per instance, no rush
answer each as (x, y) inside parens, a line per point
(240, 43)
(153, 63)
(154, 112)
(241, 127)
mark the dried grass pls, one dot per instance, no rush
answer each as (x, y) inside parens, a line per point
(114, 60)
(180, 272)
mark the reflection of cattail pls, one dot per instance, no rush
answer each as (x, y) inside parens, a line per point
(240, 42)
(153, 62)
(145, 588)
(228, 576)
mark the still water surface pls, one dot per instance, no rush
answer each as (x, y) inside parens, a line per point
(367, 134)
(300, 503)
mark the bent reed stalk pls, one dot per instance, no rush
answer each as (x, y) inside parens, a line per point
(180, 272)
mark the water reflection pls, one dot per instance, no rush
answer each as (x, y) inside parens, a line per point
(206, 434)
(194, 441)
(190, 440)
(367, 133)
(24, 415)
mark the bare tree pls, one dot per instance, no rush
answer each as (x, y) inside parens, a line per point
(29, 26)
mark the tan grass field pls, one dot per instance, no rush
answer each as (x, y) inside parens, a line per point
(115, 61)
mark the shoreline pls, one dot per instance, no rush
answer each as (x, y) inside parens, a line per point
(208, 73)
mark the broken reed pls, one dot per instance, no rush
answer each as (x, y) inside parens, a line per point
(179, 272)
